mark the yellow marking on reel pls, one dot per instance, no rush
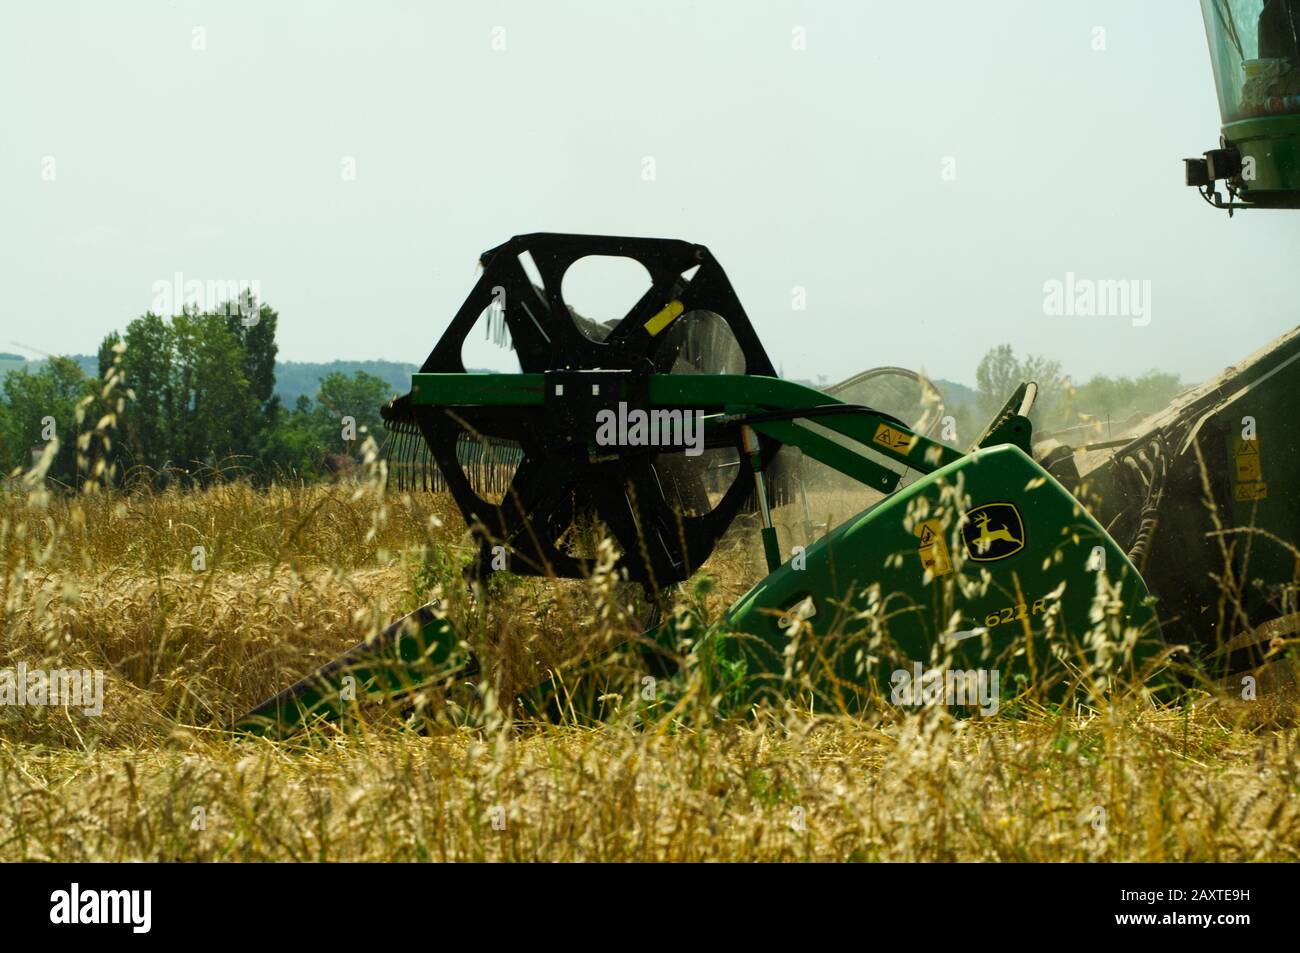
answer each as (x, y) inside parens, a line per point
(664, 318)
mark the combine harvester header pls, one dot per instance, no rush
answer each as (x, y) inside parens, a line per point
(1061, 569)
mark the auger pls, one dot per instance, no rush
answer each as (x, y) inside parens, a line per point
(1003, 557)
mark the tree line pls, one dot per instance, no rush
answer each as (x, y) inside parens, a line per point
(1062, 403)
(197, 395)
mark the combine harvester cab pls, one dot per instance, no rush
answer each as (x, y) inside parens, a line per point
(1255, 53)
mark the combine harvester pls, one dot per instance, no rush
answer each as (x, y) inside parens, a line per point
(1170, 554)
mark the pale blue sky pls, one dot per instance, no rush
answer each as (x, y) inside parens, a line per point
(818, 168)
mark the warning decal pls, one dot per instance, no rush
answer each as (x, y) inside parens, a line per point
(1249, 492)
(1248, 472)
(896, 440)
(933, 549)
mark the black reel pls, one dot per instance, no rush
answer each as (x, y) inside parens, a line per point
(525, 477)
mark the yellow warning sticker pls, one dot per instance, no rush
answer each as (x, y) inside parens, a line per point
(1246, 459)
(1248, 470)
(933, 549)
(895, 440)
(1248, 492)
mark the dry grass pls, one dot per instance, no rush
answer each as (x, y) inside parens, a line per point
(295, 574)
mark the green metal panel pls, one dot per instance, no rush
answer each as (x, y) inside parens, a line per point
(1263, 462)
(1026, 613)
(415, 652)
(1273, 145)
(714, 393)
(488, 390)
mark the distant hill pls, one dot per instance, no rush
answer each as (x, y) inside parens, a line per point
(295, 378)
(292, 378)
(957, 395)
(88, 363)
(10, 362)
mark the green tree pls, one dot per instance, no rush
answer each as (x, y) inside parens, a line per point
(217, 414)
(1118, 398)
(254, 327)
(8, 442)
(147, 368)
(304, 438)
(359, 397)
(1060, 403)
(1000, 372)
(40, 405)
(996, 377)
(191, 402)
(201, 389)
(298, 444)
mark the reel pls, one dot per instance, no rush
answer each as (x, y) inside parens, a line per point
(531, 481)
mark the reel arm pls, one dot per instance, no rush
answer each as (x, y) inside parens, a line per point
(772, 406)
(775, 411)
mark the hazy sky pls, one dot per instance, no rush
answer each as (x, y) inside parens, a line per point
(819, 168)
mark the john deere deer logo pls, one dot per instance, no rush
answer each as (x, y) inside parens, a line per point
(993, 531)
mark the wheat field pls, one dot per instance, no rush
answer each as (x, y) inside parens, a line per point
(291, 575)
